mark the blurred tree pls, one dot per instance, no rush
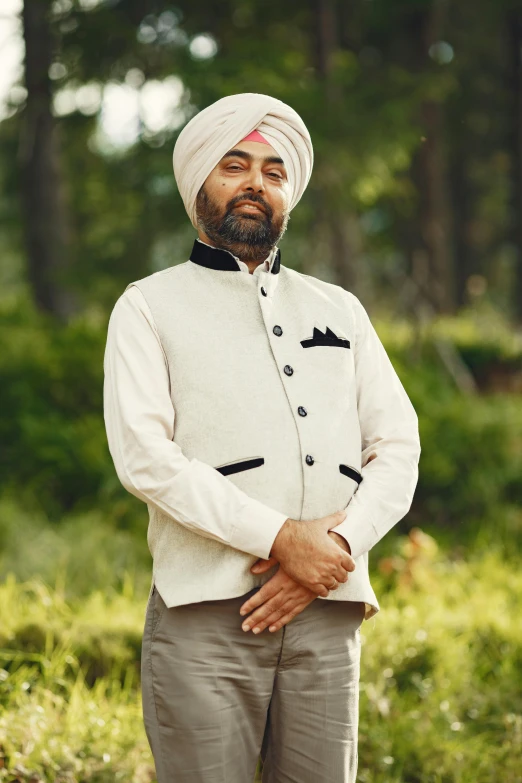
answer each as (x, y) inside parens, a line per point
(413, 109)
(434, 249)
(42, 185)
(513, 31)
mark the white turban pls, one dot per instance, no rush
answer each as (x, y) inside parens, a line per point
(214, 131)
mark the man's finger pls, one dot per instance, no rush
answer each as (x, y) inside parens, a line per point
(348, 562)
(341, 575)
(319, 589)
(263, 594)
(332, 520)
(269, 612)
(261, 565)
(278, 624)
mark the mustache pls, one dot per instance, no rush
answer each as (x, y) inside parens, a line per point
(255, 198)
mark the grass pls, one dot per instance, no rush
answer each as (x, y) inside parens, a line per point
(439, 695)
(440, 700)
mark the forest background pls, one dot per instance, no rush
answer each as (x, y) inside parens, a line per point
(415, 205)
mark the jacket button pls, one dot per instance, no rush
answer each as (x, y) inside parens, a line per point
(302, 411)
(288, 369)
(309, 459)
(277, 330)
(263, 290)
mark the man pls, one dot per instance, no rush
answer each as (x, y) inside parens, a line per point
(256, 412)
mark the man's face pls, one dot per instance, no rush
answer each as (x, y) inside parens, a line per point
(249, 172)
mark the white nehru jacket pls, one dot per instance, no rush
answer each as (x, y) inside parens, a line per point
(235, 401)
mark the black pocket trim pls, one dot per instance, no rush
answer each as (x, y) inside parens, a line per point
(328, 338)
(352, 473)
(244, 464)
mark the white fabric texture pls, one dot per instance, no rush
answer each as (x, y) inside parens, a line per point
(194, 379)
(139, 422)
(215, 130)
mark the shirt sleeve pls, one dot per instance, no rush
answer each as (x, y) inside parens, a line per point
(390, 443)
(139, 421)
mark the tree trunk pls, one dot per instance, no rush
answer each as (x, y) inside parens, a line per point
(462, 202)
(45, 213)
(514, 34)
(340, 223)
(430, 173)
(436, 223)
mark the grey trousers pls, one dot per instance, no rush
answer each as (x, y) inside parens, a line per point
(215, 697)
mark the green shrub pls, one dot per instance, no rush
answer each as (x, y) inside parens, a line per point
(102, 629)
(83, 553)
(439, 671)
(471, 461)
(56, 462)
(51, 428)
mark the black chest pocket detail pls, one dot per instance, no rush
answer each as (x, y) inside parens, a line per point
(244, 464)
(328, 338)
(352, 473)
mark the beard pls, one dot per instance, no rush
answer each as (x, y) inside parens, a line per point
(250, 237)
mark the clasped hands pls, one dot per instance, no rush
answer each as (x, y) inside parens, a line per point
(313, 560)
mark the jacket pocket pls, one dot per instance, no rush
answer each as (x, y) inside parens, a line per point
(238, 466)
(158, 607)
(327, 338)
(352, 473)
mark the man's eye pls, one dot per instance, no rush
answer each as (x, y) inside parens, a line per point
(276, 175)
(238, 168)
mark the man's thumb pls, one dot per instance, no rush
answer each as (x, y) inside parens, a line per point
(263, 565)
(332, 520)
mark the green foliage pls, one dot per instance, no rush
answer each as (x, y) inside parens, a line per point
(54, 728)
(437, 695)
(438, 702)
(56, 461)
(52, 389)
(357, 74)
(472, 463)
(470, 470)
(102, 627)
(76, 555)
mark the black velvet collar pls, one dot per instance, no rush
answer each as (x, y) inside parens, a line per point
(215, 258)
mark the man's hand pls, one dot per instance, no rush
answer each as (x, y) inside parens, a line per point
(278, 601)
(309, 554)
(281, 598)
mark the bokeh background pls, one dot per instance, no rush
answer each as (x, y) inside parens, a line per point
(415, 205)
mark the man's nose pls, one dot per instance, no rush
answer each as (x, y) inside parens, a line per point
(255, 181)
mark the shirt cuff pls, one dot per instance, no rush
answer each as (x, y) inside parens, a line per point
(257, 529)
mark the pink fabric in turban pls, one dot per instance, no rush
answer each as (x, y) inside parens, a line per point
(256, 136)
